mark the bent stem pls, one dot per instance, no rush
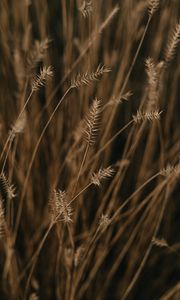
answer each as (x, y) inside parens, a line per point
(10, 136)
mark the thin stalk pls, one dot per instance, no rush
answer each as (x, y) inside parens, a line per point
(32, 160)
(143, 262)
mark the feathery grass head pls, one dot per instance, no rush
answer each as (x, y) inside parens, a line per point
(143, 116)
(86, 8)
(40, 80)
(152, 73)
(19, 125)
(153, 5)
(171, 171)
(159, 242)
(88, 78)
(91, 125)
(118, 100)
(172, 44)
(102, 174)
(37, 53)
(7, 190)
(104, 222)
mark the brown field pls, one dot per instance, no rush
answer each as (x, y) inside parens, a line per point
(89, 150)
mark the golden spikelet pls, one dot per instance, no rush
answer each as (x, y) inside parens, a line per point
(86, 8)
(159, 242)
(36, 54)
(7, 190)
(92, 122)
(143, 116)
(171, 171)
(153, 6)
(40, 80)
(88, 78)
(152, 74)
(172, 44)
(104, 222)
(118, 100)
(19, 125)
(59, 208)
(102, 174)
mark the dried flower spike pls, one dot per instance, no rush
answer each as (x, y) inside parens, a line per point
(120, 99)
(104, 222)
(59, 208)
(102, 174)
(37, 54)
(87, 78)
(153, 80)
(153, 6)
(91, 126)
(40, 80)
(172, 44)
(150, 116)
(86, 8)
(160, 242)
(19, 125)
(170, 170)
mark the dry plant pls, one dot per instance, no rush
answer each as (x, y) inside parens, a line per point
(90, 150)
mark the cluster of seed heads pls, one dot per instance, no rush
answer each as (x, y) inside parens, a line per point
(59, 208)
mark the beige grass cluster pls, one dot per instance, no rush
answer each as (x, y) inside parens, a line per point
(89, 150)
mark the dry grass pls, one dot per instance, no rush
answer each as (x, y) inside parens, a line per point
(90, 149)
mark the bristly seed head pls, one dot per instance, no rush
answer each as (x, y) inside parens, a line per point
(7, 190)
(88, 78)
(19, 125)
(143, 116)
(153, 6)
(102, 174)
(104, 222)
(86, 8)
(172, 44)
(171, 171)
(160, 242)
(91, 125)
(40, 80)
